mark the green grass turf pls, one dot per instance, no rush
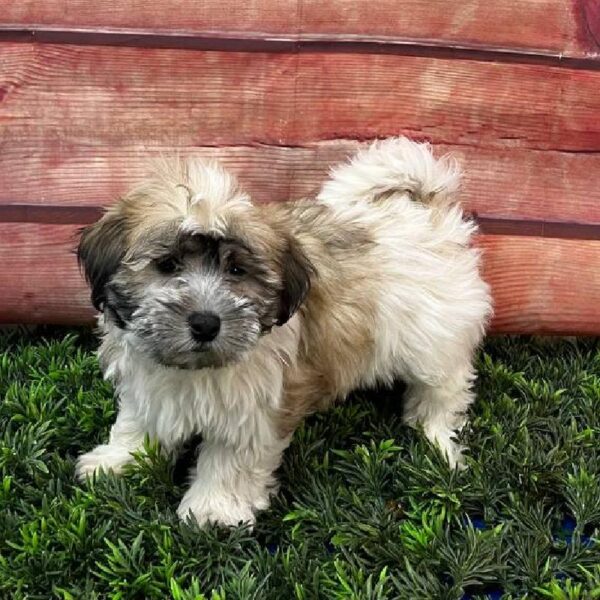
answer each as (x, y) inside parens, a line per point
(366, 509)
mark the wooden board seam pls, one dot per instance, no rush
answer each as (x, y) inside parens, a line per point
(57, 214)
(294, 43)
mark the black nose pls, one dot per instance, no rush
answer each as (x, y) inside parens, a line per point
(204, 325)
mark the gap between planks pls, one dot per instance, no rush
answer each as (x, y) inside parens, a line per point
(296, 43)
(52, 214)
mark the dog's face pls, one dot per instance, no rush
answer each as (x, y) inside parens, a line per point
(190, 270)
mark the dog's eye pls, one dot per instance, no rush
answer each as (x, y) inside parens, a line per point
(167, 265)
(235, 270)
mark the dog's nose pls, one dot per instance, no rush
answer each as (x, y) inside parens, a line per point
(205, 326)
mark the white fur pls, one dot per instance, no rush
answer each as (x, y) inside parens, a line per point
(433, 306)
(431, 313)
(231, 406)
(392, 165)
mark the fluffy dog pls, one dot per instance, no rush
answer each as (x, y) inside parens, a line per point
(236, 320)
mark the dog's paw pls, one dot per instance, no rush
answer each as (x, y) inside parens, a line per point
(455, 456)
(204, 508)
(105, 458)
(451, 449)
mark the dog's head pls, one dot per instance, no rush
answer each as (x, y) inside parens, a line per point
(190, 270)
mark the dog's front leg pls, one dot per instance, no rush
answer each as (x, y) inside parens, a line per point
(231, 483)
(126, 436)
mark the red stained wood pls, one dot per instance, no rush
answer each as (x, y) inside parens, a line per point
(498, 183)
(39, 279)
(105, 96)
(99, 96)
(448, 101)
(543, 285)
(587, 17)
(543, 26)
(77, 121)
(539, 285)
(265, 16)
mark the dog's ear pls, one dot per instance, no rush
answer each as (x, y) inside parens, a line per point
(297, 273)
(100, 252)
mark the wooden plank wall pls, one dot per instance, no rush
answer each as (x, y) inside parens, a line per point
(280, 91)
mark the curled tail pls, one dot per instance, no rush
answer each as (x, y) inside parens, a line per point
(394, 165)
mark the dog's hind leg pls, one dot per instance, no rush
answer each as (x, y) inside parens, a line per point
(441, 410)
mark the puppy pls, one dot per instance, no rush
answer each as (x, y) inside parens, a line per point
(236, 320)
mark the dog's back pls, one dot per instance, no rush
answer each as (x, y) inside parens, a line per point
(408, 300)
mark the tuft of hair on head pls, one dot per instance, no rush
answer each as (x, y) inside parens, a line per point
(395, 165)
(195, 178)
(174, 190)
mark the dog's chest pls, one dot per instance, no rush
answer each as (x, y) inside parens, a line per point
(173, 404)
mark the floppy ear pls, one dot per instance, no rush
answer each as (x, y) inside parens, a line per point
(297, 273)
(100, 251)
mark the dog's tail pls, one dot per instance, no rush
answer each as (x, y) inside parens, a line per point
(395, 165)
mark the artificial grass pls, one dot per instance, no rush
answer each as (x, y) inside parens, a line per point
(366, 509)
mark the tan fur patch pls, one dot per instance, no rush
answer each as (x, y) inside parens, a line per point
(338, 314)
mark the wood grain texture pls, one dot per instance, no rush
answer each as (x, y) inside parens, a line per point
(76, 123)
(497, 182)
(568, 27)
(502, 24)
(587, 17)
(543, 285)
(265, 16)
(39, 279)
(108, 96)
(539, 285)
